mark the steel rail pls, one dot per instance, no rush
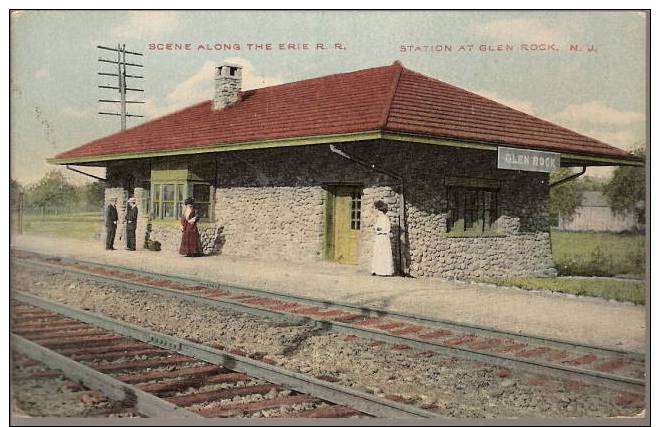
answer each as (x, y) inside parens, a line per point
(465, 327)
(334, 393)
(144, 403)
(503, 360)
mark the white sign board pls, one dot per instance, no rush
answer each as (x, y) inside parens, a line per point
(527, 160)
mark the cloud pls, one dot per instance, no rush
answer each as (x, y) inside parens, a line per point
(519, 30)
(145, 24)
(199, 86)
(517, 104)
(597, 113)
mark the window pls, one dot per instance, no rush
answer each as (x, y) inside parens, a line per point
(356, 209)
(471, 209)
(156, 193)
(202, 196)
(167, 202)
(179, 199)
(146, 198)
(168, 198)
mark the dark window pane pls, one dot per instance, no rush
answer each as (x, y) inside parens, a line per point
(470, 209)
(168, 210)
(201, 193)
(168, 192)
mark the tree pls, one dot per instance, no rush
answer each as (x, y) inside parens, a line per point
(14, 189)
(626, 191)
(563, 197)
(53, 191)
(92, 196)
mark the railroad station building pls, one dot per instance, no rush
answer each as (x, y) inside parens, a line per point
(291, 172)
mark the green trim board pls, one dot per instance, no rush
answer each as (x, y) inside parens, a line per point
(336, 138)
(248, 145)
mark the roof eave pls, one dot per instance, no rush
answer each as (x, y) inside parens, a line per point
(567, 158)
(247, 145)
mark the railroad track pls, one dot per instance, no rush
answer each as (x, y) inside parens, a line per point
(160, 375)
(516, 351)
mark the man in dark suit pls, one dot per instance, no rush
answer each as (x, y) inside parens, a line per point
(111, 219)
(131, 223)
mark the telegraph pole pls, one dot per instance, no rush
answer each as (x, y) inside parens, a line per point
(121, 87)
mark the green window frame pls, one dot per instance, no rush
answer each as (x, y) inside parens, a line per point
(356, 209)
(168, 197)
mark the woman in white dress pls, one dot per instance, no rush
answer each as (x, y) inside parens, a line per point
(382, 263)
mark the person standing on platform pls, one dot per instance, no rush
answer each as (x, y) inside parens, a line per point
(190, 243)
(382, 263)
(131, 223)
(111, 219)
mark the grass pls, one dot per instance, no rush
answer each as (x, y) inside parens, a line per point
(81, 226)
(616, 289)
(593, 254)
(599, 254)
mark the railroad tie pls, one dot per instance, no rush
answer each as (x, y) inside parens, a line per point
(200, 397)
(225, 411)
(139, 364)
(142, 377)
(119, 354)
(193, 381)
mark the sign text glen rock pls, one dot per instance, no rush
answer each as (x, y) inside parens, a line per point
(527, 160)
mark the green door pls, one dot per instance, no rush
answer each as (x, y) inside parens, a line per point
(343, 230)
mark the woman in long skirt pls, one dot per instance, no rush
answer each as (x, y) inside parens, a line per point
(382, 263)
(190, 243)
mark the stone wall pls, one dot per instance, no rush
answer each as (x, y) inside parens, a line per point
(169, 236)
(271, 204)
(271, 222)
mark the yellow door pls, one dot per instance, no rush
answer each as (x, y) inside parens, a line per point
(347, 207)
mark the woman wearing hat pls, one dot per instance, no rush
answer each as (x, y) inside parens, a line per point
(190, 244)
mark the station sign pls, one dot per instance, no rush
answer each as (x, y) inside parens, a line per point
(527, 160)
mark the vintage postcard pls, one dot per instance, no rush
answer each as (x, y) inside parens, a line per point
(355, 215)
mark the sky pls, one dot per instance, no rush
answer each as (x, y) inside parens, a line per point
(599, 90)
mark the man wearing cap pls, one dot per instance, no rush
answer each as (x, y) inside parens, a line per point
(131, 224)
(111, 219)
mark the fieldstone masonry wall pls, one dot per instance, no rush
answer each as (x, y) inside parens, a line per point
(282, 222)
(270, 204)
(169, 236)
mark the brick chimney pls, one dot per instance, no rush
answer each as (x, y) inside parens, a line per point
(227, 85)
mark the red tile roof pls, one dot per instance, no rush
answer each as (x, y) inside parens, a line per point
(390, 98)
